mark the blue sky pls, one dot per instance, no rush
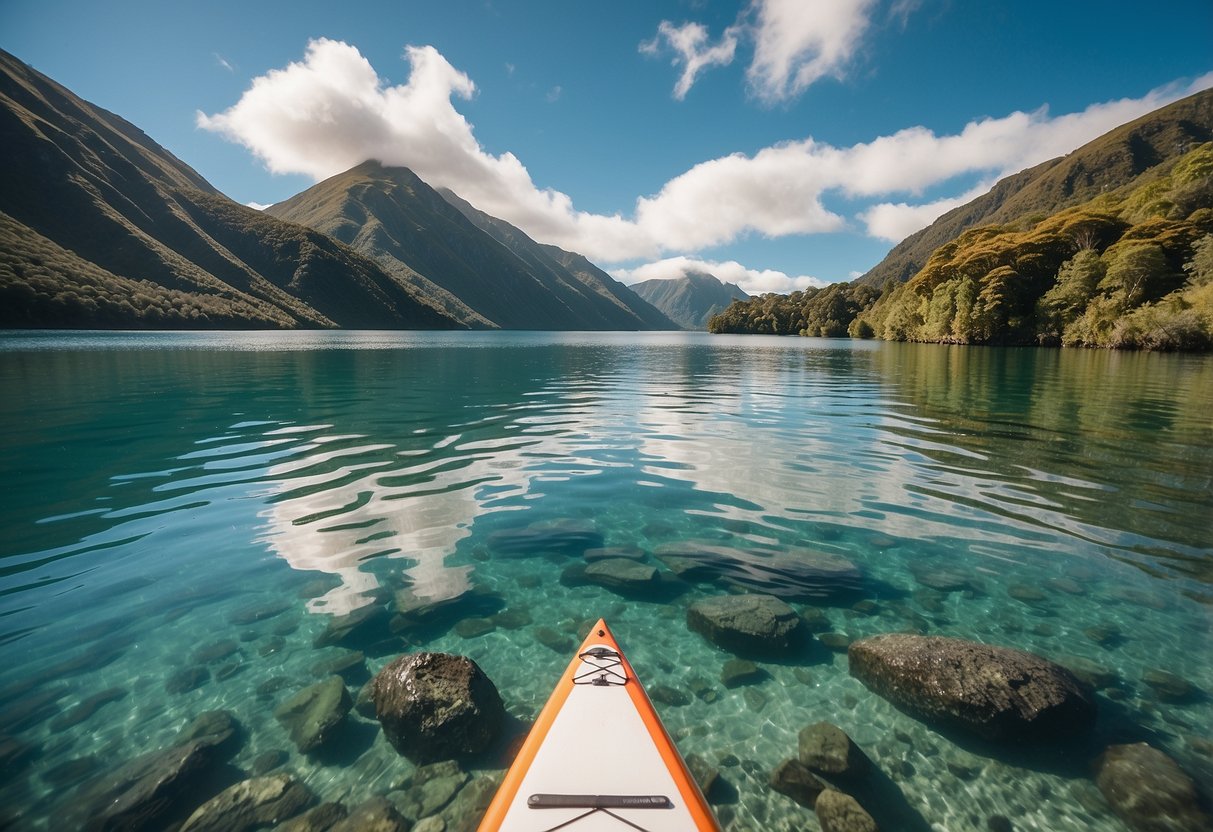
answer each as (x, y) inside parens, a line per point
(778, 143)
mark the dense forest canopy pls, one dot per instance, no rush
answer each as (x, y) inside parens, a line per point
(1132, 268)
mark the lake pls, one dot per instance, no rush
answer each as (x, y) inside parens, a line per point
(186, 514)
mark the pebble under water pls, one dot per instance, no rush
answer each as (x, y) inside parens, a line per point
(205, 522)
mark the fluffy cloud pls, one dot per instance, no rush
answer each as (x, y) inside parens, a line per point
(797, 43)
(692, 50)
(752, 281)
(331, 111)
(894, 221)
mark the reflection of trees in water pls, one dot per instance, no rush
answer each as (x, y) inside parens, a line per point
(1089, 440)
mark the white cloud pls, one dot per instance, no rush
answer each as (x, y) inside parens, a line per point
(752, 281)
(690, 43)
(797, 43)
(258, 206)
(331, 111)
(894, 221)
(554, 94)
(223, 62)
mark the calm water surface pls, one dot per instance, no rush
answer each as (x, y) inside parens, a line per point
(176, 502)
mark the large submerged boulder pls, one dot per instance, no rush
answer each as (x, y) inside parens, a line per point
(996, 693)
(747, 624)
(435, 706)
(1149, 790)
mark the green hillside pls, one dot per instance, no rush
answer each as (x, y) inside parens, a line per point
(1109, 162)
(1131, 269)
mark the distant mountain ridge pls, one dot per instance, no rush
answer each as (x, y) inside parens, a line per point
(101, 227)
(1110, 161)
(482, 271)
(690, 300)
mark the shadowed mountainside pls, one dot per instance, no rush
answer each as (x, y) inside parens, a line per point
(690, 300)
(482, 271)
(103, 228)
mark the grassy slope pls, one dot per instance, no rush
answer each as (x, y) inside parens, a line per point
(1109, 162)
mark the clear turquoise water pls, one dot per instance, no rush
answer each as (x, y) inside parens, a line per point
(156, 484)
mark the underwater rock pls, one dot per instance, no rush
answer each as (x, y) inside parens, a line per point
(67, 774)
(474, 627)
(141, 794)
(250, 804)
(1027, 594)
(1169, 687)
(349, 665)
(1067, 585)
(514, 618)
(435, 706)
(738, 672)
(364, 702)
(621, 573)
(794, 574)
(15, 754)
(793, 778)
(940, 578)
(838, 642)
(218, 730)
(826, 749)
(564, 538)
(375, 815)
(415, 613)
(997, 693)
(705, 775)
(1105, 635)
(274, 644)
(272, 685)
(218, 651)
(750, 624)
(267, 761)
(429, 789)
(553, 640)
(365, 625)
(1092, 673)
(815, 620)
(313, 715)
(28, 710)
(615, 552)
(1149, 791)
(317, 819)
(838, 812)
(668, 695)
(469, 806)
(627, 578)
(187, 679)
(86, 709)
(755, 699)
(261, 612)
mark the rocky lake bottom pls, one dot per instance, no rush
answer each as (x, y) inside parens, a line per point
(206, 533)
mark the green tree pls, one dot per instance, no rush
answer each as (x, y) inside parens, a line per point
(1076, 284)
